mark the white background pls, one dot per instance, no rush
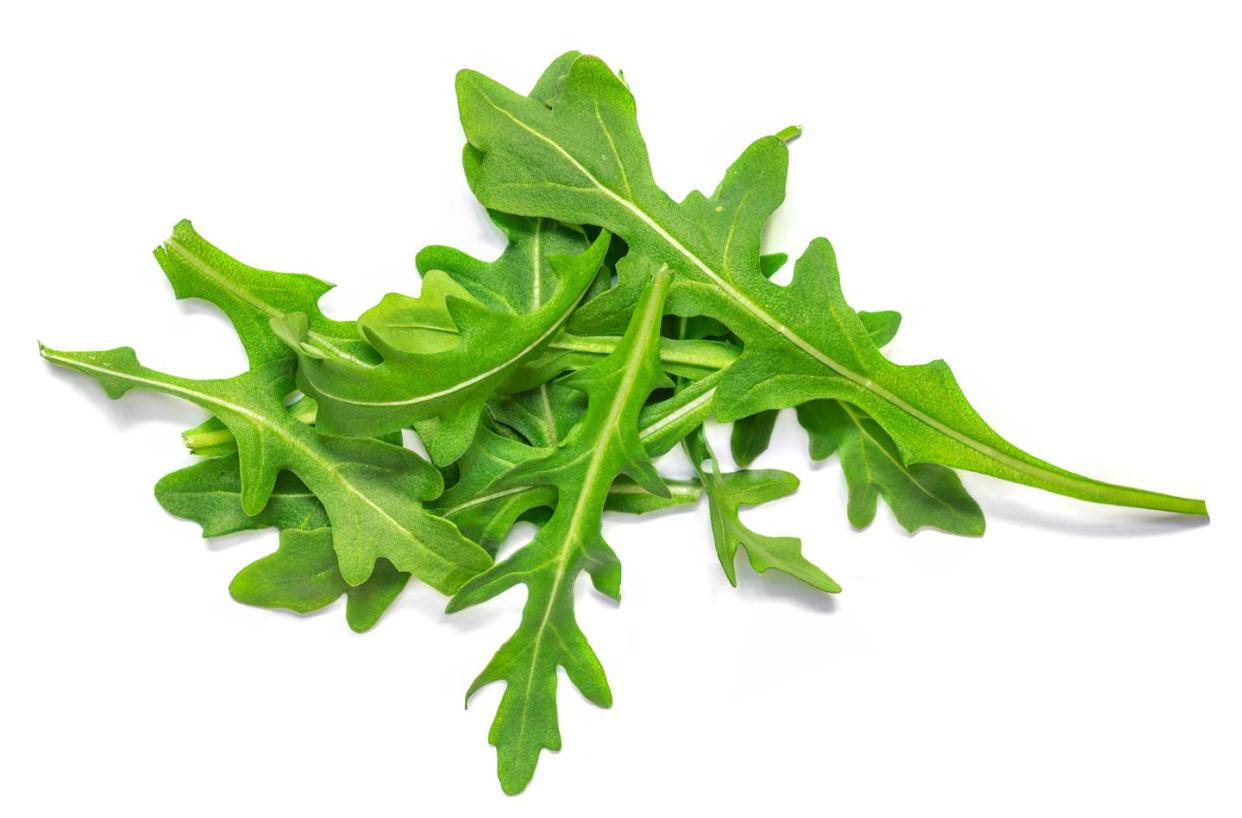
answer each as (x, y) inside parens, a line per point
(1050, 195)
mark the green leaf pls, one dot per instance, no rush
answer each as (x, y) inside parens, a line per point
(523, 278)
(251, 298)
(412, 385)
(580, 158)
(726, 494)
(604, 445)
(302, 576)
(751, 436)
(369, 489)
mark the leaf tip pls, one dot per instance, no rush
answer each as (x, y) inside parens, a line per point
(789, 133)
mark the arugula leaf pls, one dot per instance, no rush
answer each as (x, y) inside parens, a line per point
(450, 384)
(579, 157)
(302, 576)
(602, 446)
(369, 489)
(726, 494)
(523, 278)
(251, 298)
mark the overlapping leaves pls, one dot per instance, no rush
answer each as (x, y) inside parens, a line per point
(543, 383)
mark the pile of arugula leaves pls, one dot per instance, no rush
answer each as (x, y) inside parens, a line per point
(615, 323)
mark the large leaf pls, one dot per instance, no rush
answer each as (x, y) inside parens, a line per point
(369, 489)
(604, 445)
(577, 156)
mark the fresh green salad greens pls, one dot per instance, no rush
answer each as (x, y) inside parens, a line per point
(542, 384)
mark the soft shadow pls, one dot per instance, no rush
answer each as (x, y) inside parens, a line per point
(429, 603)
(775, 586)
(336, 608)
(135, 408)
(1116, 523)
(227, 542)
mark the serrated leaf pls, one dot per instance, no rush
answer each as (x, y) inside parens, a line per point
(603, 446)
(369, 489)
(580, 158)
(485, 509)
(251, 298)
(726, 494)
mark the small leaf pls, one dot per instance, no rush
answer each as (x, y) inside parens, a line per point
(726, 494)
(751, 436)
